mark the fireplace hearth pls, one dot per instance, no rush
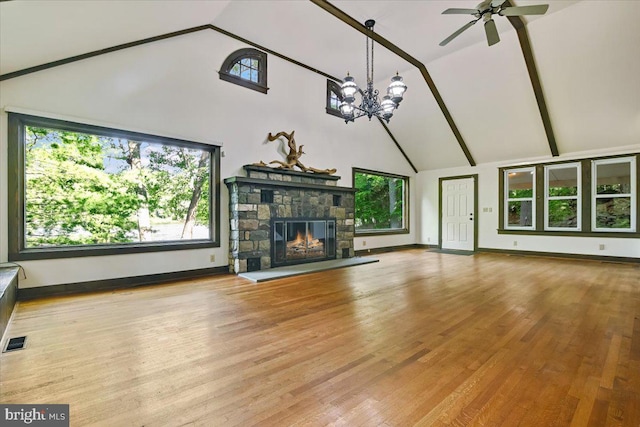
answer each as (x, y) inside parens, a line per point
(280, 217)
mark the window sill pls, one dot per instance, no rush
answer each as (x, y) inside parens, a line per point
(617, 234)
(242, 82)
(96, 250)
(381, 232)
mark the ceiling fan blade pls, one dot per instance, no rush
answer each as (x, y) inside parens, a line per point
(457, 33)
(497, 3)
(539, 9)
(460, 12)
(492, 32)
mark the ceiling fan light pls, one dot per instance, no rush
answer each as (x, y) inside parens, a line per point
(349, 87)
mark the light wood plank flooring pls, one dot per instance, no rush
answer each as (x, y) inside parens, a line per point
(419, 338)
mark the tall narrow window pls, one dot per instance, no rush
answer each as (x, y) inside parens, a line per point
(614, 194)
(88, 190)
(562, 208)
(247, 68)
(520, 198)
(334, 98)
(381, 202)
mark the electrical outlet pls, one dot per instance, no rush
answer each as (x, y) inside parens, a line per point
(515, 243)
(428, 239)
(601, 247)
(212, 258)
(364, 243)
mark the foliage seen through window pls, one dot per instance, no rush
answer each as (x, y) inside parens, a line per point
(379, 202)
(84, 189)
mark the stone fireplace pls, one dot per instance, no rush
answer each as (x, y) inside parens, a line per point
(280, 217)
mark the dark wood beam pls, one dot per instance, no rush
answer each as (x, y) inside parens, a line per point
(71, 59)
(525, 44)
(341, 15)
(384, 125)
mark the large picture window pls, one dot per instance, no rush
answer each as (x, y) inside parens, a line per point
(88, 190)
(519, 193)
(614, 194)
(562, 210)
(380, 202)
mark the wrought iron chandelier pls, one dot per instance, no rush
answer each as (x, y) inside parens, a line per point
(370, 105)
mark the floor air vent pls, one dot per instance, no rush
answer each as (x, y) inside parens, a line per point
(15, 344)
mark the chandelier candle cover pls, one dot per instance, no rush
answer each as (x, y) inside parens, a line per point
(370, 105)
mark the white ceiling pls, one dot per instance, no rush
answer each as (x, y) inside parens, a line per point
(587, 53)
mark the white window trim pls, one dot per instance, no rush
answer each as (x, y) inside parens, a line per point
(632, 195)
(577, 197)
(520, 199)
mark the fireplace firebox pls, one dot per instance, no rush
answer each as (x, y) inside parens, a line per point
(296, 240)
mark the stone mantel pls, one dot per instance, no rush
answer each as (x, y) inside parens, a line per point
(291, 194)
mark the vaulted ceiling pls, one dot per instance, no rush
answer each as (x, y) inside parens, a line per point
(587, 56)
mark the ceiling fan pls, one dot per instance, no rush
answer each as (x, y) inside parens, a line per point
(486, 10)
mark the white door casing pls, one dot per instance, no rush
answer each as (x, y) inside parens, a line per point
(458, 214)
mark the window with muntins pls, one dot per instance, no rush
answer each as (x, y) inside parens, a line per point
(520, 198)
(334, 98)
(614, 194)
(381, 202)
(80, 190)
(585, 197)
(247, 68)
(562, 209)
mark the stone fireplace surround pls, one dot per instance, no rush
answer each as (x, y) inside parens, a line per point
(266, 194)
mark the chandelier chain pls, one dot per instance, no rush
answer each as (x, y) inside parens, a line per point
(367, 57)
(372, 57)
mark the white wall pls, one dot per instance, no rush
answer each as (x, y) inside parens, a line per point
(488, 237)
(171, 88)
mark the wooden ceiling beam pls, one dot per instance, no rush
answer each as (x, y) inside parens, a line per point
(525, 44)
(341, 15)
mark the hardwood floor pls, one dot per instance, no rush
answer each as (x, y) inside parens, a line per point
(417, 339)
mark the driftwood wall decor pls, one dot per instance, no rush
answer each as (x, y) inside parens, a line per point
(293, 158)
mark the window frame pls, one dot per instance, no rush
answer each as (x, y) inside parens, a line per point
(333, 87)
(577, 197)
(507, 199)
(585, 201)
(405, 204)
(238, 55)
(17, 122)
(632, 195)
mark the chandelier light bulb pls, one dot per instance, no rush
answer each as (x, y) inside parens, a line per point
(346, 109)
(397, 88)
(349, 89)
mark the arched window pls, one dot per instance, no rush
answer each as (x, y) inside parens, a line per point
(334, 98)
(246, 67)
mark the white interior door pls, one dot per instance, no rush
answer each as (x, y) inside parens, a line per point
(458, 216)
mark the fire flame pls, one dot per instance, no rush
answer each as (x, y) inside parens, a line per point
(300, 238)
